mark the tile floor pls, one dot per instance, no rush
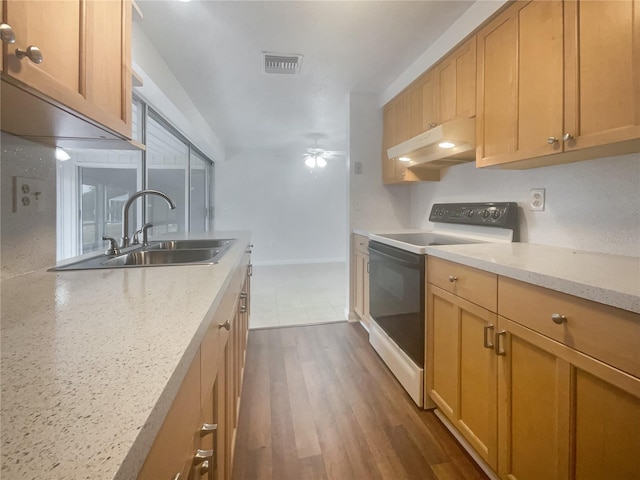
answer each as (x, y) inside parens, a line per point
(285, 295)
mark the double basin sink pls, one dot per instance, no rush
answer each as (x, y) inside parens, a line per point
(159, 254)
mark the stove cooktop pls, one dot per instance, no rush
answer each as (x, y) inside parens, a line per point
(460, 224)
(429, 238)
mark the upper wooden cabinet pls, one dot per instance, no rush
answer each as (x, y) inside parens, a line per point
(445, 92)
(573, 90)
(85, 48)
(456, 84)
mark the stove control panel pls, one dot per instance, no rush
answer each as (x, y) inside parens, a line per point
(493, 214)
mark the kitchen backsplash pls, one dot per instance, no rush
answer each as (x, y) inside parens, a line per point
(591, 205)
(27, 237)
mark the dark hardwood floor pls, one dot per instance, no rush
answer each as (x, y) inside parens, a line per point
(318, 403)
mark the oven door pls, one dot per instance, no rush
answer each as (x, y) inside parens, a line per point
(396, 297)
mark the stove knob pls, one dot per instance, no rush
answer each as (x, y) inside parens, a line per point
(470, 213)
(486, 214)
(496, 214)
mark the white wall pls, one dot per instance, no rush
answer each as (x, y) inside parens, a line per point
(295, 215)
(592, 205)
(373, 206)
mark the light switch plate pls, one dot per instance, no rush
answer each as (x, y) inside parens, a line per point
(28, 194)
(536, 199)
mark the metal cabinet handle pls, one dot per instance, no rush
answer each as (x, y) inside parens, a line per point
(208, 428)
(551, 140)
(452, 279)
(433, 125)
(250, 270)
(249, 248)
(487, 343)
(226, 325)
(201, 456)
(497, 344)
(32, 52)
(567, 137)
(6, 33)
(177, 476)
(204, 468)
(368, 266)
(558, 319)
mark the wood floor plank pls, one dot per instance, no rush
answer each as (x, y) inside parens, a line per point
(283, 448)
(306, 438)
(319, 403)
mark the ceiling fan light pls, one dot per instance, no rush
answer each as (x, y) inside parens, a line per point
(310, 161)
(321, 162)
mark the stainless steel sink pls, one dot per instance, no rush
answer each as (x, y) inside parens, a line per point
(167, 253)
(190, 244)
(165, 257)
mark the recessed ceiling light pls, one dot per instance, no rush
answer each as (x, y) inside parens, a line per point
(184, 1)
(404, 159)
(446, 145)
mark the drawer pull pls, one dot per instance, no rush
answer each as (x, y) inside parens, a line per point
(487, 343)
(452, 279)
(177, 476)
(226, 325)
(558, 319)
(201, 456)
(208, 428)
(497, 347)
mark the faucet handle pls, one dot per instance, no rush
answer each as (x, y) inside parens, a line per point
(143, 231)
(113, 246)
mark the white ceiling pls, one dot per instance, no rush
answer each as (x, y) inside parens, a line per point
(214, 50)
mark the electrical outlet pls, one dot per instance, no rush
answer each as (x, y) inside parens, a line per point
(536, 199)
(28, 194)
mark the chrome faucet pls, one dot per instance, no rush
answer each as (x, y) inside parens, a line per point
(125, 212)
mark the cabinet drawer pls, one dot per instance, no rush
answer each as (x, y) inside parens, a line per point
(469, 283)
(361, 243)
(606, 333)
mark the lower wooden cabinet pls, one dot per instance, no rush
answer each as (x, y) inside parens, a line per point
(361, 277)
(196, 440)
(461, 365)
(530, 390)
(563, 414)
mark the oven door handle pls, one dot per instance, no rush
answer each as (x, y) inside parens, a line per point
(395, 259)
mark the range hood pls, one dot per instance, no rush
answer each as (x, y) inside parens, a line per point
(442, 146)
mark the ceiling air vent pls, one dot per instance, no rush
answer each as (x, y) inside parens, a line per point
(279, 63)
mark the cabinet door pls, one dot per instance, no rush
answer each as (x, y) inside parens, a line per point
(430, 98)
(533, 399)
(57, 29)
(457, 83)
(602, 72)
(403, 118)
(562, 413)
(360, 272)
(388, 138)
(108, 63)
(461, 368)
(520, 84)
(86, 54)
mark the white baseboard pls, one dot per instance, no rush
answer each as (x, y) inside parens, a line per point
(300, 261)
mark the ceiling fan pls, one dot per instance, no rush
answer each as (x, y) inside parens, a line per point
(317, 157)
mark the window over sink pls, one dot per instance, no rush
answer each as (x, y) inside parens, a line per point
(93, 185)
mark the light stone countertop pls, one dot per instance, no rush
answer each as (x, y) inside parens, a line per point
(609, 279)
(92, 360)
